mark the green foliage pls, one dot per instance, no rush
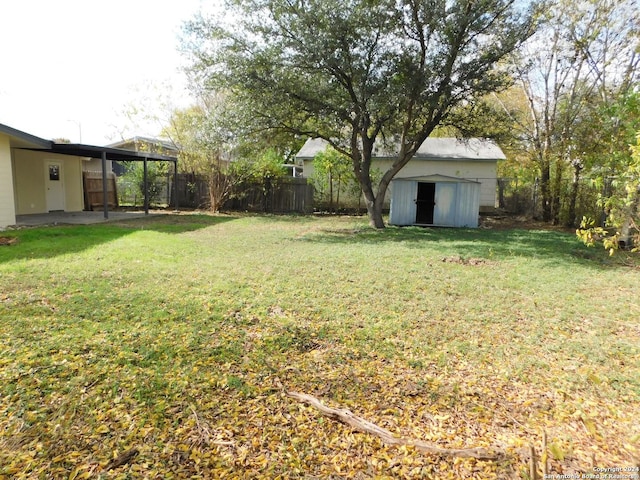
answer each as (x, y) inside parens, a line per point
(591, 234)
(623, 207)
(572, 134)
(333, 174)
(156, 174)
(263, 172)
(357, 72)
(268, 167)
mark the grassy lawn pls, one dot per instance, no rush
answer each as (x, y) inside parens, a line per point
(175, 339)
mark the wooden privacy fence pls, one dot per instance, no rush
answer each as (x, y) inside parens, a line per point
(93, 190)
(282, 195)
(191, 190)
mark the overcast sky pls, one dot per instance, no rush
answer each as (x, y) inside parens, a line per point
(71, 67)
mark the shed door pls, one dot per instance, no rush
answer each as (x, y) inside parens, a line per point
(444, 212)
(403, 202)
(54, 186)
(425, 203)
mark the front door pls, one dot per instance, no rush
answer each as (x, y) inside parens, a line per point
(425, 203)
(54, 186)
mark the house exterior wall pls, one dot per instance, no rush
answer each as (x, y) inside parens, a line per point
(484, 172)
(7, 200)
(95, 165)
(29, 171)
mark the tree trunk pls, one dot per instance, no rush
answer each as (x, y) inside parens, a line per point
(573, 199)
(374, 210)
(557, 193)
(626, 239)
(606, 193)
(331, 209)
(545, 189)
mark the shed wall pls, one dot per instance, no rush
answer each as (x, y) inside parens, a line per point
(468, 206)
(483, 172)
(457, 203)
(446, 205)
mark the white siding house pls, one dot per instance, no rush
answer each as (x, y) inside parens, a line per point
(472, 159)
(40, 176)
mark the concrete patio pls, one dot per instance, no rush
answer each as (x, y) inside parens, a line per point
(75, 218)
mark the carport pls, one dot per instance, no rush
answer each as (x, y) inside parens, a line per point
(117, 154)
(38, 176)
(107, 153)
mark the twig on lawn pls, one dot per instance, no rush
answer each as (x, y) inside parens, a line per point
(123, 459)
(360, 424)
(545, 456)
(533, 469)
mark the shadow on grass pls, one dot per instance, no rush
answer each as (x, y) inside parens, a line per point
(49, 242)
(476, 243)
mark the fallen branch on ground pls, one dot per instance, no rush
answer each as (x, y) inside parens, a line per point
(123, 459)
(346, 416)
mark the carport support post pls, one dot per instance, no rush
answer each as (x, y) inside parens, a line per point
(175, 185)
(105, 194)
(146, 188)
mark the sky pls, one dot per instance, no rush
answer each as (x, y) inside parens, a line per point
(71, 68)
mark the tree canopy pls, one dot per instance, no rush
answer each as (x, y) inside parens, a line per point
(358, 72)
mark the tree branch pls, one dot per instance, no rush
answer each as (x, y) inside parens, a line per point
(362, 425)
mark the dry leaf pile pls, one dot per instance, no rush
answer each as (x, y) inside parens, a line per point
(82, 417)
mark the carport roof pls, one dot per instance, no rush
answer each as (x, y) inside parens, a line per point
(23, 140)
(92, 151)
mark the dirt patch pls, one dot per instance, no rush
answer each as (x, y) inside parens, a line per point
(465, 261)
(7, 241)
(512, 222)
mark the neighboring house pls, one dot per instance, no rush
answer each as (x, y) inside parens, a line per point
(40, 176)
(143, 144)
(473, 160)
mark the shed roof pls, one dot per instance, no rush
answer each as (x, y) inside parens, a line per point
(474, 149)
(435, 179)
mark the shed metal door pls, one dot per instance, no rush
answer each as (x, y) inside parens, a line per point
(403, 204)
(444, 211)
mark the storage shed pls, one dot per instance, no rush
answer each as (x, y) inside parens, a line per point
(435, 200)
(474, 159)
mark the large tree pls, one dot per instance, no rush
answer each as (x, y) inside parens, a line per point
(359, 73)
(584, 57)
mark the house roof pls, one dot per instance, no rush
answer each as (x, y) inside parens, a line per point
(19, 139)
(134, 142)
(476, 149)
(23, 140)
